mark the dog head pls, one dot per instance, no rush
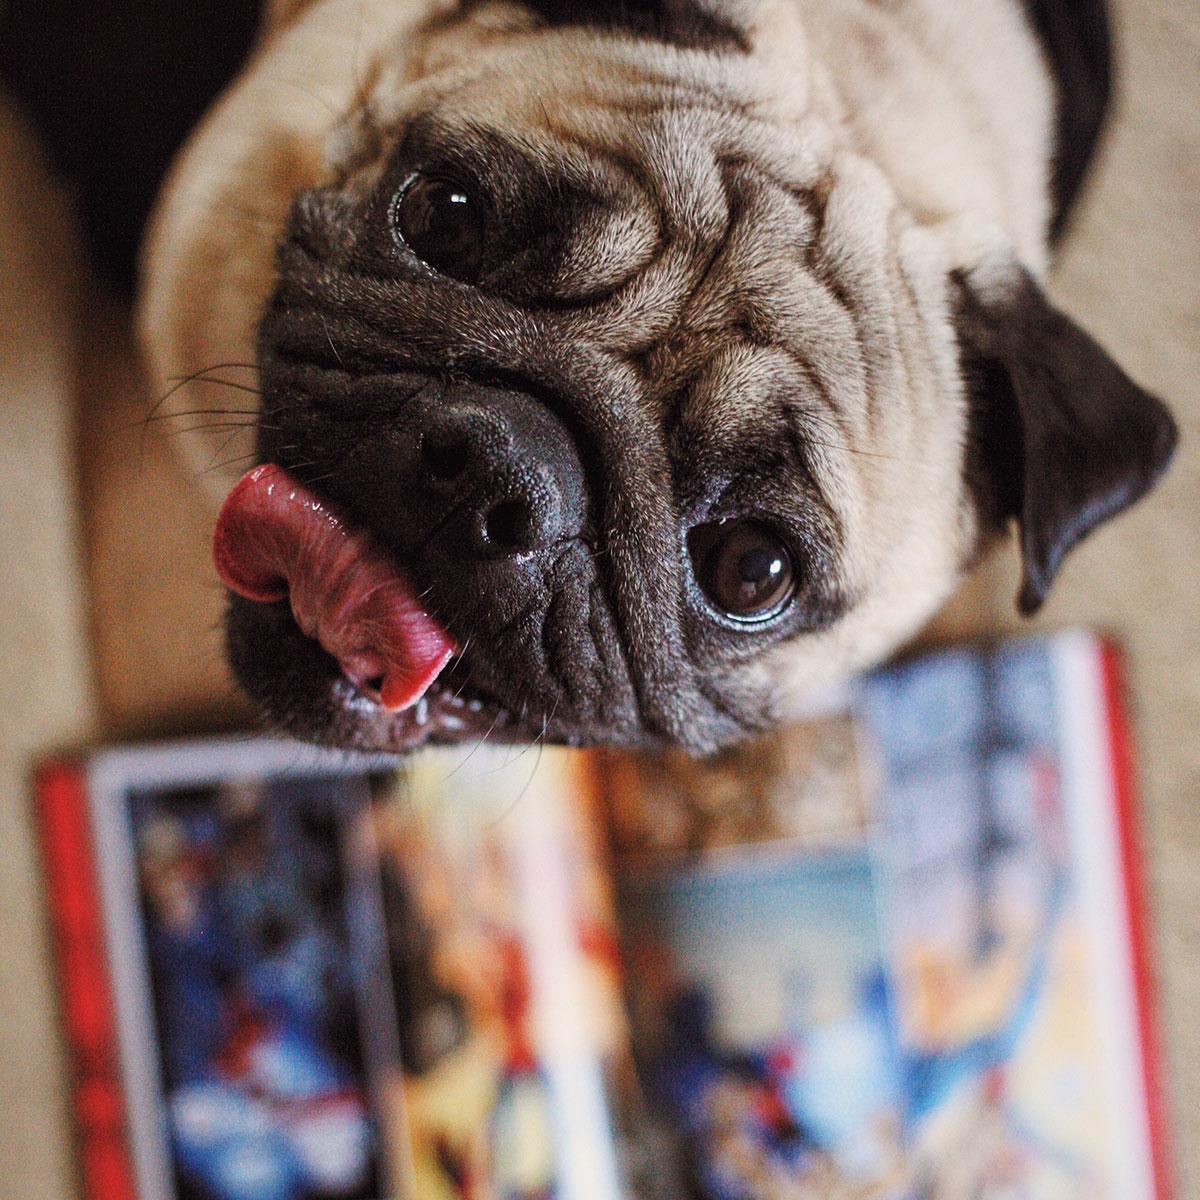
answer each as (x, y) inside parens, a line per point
(598, 347)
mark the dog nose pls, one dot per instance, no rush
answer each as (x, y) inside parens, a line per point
(508, 469)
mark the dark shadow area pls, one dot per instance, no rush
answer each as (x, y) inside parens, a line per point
(113, 88)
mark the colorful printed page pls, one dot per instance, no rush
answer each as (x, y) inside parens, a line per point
(927, 979)
(895, 952)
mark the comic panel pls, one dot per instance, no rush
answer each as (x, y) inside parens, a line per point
(260, 1043)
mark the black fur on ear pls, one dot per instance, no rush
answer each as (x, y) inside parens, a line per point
(689, 24)
(1059, 438)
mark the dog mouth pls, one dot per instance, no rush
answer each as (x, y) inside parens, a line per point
(388, 670)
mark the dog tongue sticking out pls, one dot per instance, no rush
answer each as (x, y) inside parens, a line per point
(276, 539)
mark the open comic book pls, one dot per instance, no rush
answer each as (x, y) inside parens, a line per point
(894, 952)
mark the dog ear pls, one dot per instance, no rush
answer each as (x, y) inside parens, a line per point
(690, 24)
(1059, 438)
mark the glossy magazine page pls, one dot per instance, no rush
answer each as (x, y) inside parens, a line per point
(894, 952)
(311, 979)
(243, 1011)
(514, 1075)
(924, 981)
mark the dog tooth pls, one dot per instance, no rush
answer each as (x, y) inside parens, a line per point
(475, 705)
(422, 712)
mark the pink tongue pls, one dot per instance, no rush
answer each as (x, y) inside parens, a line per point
(275, 538)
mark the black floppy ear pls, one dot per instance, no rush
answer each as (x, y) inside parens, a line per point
(1059, 437)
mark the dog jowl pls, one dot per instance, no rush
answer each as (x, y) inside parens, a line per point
(628, 370)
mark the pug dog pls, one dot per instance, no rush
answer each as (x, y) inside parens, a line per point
(622, 371)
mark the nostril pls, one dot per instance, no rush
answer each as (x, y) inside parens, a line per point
(508, 526)
(445, 459)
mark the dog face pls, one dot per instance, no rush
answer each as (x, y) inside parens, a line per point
(641, 395)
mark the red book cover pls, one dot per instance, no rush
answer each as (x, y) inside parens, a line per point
(85, 986)
(1137, 906)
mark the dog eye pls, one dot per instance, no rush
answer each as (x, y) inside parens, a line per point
(440, 222)
(744, 568)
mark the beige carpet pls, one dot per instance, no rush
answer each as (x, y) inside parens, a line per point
(1131, 273)
(45, 690)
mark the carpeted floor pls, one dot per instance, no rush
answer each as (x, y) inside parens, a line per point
(1130, 273)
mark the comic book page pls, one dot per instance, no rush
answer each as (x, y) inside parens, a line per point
(244, 1029)
(333, 983)
(893, 952)
(513, 1076)
(912, 979)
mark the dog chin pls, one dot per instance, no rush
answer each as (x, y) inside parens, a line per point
(301, 690)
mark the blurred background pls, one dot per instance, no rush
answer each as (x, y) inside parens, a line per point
(109, 613)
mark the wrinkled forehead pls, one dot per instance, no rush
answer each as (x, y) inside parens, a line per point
(635, 152)
(671, 112)
(664, 237)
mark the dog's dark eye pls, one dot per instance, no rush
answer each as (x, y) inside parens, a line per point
(744, 568)
(442, 224)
